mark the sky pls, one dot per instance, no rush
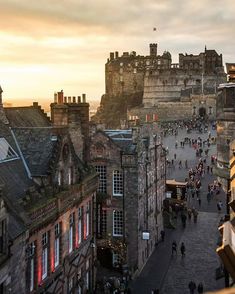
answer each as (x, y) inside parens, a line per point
(49, 45)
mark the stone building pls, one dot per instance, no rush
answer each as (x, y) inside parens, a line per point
(225, 131)
(149, 84)
(131, 166)
(49, 194)
(227, 229)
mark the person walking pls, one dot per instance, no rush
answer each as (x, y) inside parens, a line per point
(195, 214)
(200, 288)
(199, 201)
(182, 249)
(189, 213)
(162, 235)
(174, 248)
(192, 287)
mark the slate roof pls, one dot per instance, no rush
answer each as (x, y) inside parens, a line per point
(15, 182)
(29, 116)
(37, 148)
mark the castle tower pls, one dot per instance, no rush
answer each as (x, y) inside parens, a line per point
(153, 49)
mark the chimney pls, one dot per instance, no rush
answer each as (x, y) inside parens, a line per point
(69, 99)
(55, 97)
(111, 56)
(65, 99)
(60, 97)
(79, 99)
(74, 99)
(116, 54)
(83, 98)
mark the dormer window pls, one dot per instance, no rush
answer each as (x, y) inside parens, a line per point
(7, 153)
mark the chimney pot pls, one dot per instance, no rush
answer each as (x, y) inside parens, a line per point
(79, 99)
(65, 99)
(74, 99)
(55, 97)
(111, 55)
(69, 99)
(60, 97)
(83, 98)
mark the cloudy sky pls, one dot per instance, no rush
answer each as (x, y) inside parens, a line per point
(49, 45)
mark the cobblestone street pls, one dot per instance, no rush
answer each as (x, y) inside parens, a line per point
(171, 274)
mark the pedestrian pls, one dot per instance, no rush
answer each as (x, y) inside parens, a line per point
(189, 213)
(174, 248)
(193, 193)
(195, 214)
(162, 235)
(183, 219)
(192, 287)
(219, 205)
(155, 291)
(199, 201)
(182, 249)
(211, 169)
(175, 155)
(208, 197)
(186, 163)
(200, 288)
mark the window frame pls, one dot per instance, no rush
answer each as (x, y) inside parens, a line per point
(116, 223)
(117, 181)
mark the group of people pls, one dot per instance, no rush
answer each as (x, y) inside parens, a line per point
(174, 248)
(192, 287)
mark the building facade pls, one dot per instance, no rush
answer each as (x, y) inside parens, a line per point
(225, 131)
(49, 195)
(131, 166)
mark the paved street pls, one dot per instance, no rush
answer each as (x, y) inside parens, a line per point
(171, 274)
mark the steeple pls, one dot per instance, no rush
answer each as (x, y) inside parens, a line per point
(3, 117)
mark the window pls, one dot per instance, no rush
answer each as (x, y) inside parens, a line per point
(32, 265)
(104, 222)
(116, 259)
(44, 263)
(6, 151)
(57, 245)
(87, 278)
(102, 171)
(80, 209)
(87, 222)
(117, 183)
(117, 223)
(71, 231)
(45, 244)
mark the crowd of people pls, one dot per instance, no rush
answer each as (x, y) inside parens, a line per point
(201, 149)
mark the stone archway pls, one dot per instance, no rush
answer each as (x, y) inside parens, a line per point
(202, 111)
